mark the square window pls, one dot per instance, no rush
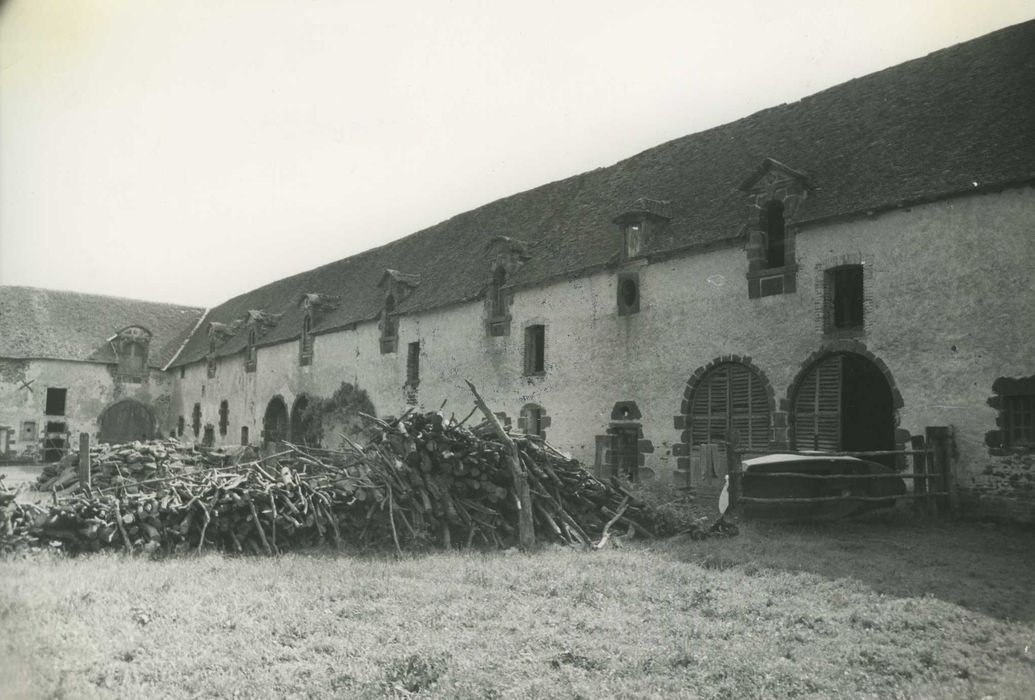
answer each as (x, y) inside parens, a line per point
(1019, 420)
(56, 402)
(844, 306)
(535, 350)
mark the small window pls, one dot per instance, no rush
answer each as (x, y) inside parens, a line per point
(251, 352)
(626, 454)
(210, 436)
(389, 327)
(846, 297)
(413, 364)
(244, 434)
(56, 402)
(224, 416)
(195, 420)
(305, 355)
(57, 427)
(628, 294)
(775, 239)
(1019, 420)
(535, 350)
(632, 240)
(533, 420)
(180, 425)
(499, 301)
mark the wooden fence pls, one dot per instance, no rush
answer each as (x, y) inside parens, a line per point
(928, 457)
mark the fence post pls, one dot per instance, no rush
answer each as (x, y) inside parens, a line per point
(84, 461)
(920, 483)
(938, 439)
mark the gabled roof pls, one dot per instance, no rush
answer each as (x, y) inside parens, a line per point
(958, 120)
(55, 325)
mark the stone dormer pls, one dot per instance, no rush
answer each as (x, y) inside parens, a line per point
(639, 221)
(776, 193)
(314, 307)
(131, 346)
(396, 287)
(506, 256)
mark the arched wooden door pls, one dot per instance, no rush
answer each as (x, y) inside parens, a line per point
(275, 422)
(300, 433)
(843, 403)
(126, 421)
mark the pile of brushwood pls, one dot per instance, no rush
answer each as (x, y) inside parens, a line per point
(128, 464)
(424, 481)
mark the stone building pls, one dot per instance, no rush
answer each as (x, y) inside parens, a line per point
(842, 272)
(72, 363)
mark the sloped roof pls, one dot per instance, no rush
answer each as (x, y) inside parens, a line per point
(56, 325)
(957, 120)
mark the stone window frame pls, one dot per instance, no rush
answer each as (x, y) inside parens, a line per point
(824, 297)
(526, 413)
(625, 305)
(498, 301)
(224, 416)
(389, 326)
(625, 417)
(251, 350)
(529, 345)
(1008, 392)
(305, 340)
(124, 343)
(195, 421)
(773, 182)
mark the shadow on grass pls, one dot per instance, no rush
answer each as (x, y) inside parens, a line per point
(983, 567)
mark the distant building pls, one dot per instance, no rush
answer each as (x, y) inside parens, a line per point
(839, 273)
(72, 363)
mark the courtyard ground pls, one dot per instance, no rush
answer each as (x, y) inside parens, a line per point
(888, 607)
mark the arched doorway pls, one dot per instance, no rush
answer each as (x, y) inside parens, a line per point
(300, 423)
(126, 421)
(275, 422)
(843, 403)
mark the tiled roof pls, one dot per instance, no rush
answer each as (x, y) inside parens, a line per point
(957, 120)
(50, 324)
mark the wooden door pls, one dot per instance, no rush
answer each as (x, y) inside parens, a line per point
(126, 421)
(817, 407)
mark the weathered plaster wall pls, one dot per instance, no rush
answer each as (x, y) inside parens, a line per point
(91, 388)
(949, 309)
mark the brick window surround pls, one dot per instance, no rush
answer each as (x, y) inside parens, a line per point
(1014, 402)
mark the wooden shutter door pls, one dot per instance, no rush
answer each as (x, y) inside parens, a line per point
(730, 400)
(817, 407)
(709, 410)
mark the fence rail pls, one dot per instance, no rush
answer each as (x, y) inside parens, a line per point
(933, 474)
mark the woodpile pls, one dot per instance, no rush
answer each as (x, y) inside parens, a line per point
(131, 463)
(423, 481)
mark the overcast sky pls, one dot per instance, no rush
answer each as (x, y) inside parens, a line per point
(187, 151)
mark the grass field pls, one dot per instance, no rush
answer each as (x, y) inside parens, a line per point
(886, 608)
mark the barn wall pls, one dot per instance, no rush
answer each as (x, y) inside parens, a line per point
(91, 388)
(948, 311)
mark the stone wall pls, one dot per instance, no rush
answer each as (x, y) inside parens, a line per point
(91, 388)
(948, 309)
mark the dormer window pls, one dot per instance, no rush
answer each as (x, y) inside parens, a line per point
(632, 239)
(251, 352)
(776, 191)
(211, 360)
(389, 326)
(305, 349)
(131, 346)
(773, 225)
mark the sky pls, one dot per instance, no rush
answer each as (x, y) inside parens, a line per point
(188, 151)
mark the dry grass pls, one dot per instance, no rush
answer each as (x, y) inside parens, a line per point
(880, 609)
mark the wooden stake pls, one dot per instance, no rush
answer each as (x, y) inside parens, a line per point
(84, 461)
(526, 524)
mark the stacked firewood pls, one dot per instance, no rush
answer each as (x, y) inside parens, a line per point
(423, 481)
(128, 464)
